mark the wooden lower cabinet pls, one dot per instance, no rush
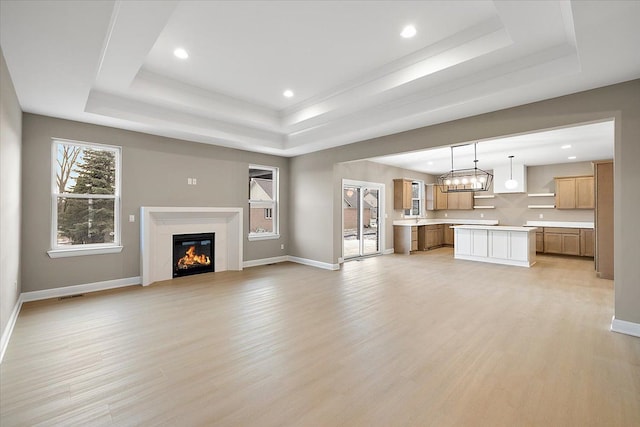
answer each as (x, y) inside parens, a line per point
(587, 242)
(448, 235)
(405, 239)
(539, 241)
(565, 241)
(434, 236)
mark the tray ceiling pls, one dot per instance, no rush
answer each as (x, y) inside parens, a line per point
(352, 75)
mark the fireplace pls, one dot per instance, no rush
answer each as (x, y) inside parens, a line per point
(193, 254)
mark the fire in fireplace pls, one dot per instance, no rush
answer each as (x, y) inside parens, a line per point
(193, 254)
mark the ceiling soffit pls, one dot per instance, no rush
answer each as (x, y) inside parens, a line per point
(470, 66)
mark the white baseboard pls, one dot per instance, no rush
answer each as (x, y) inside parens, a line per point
(387, 251)
(624, 327)
(265, 261)
(56, 293)
(80, 289)
(314, 263)
(8, 330)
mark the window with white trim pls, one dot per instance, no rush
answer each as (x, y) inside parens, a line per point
(263, 202)
(417, 199)
(85, 198)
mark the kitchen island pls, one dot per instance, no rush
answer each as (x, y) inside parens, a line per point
(496, 244)
(421, 234)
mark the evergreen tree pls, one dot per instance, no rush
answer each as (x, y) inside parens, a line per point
(90, 220)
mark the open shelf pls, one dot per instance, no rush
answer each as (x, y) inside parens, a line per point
(541, 206)
(541, 194)
(486, 196)
(483, 207)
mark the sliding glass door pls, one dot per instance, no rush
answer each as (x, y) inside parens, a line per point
(361, 230)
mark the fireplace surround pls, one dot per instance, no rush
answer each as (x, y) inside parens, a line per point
(159, 224)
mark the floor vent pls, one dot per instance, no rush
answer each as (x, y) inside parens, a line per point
(71, 296)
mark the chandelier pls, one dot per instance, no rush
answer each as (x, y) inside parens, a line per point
(465, 180)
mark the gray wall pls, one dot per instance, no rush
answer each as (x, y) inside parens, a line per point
(10, 204)
(511, 209)
(311, 174)
(154, 173)
(382, 174)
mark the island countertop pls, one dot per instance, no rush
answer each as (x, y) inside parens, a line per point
(495, 227)
(425, 221)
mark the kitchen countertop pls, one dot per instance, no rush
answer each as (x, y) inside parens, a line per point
(494, 227)
(564, 224)
(425, 221)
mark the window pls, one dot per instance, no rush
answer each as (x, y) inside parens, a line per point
(85, 199)
(263, 202)
(417, 197)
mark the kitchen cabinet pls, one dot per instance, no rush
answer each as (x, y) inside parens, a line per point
(405, 239)
(603, 177)
(539, 241)
(439, 201)
(448, 235)
(434, 237)
(460, 201)
(587, 242)
(436, 199)
(496, 244)
(565, 241)
(402, 194)
(575, 192)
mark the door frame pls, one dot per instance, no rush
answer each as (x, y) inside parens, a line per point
(381, 213)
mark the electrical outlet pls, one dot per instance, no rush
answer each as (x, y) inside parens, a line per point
(282, 246)
(446, 214)
(132, 218)
(195, 181)
(189, 181)
(481, 215)
(541, 216)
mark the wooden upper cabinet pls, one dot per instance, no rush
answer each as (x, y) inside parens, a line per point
(575, 192)
(585, 193)
(402, 193)
(460, 200)
(442, 200)
(436, 199)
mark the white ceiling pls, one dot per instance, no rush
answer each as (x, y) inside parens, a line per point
(354, 77)
(587, 142)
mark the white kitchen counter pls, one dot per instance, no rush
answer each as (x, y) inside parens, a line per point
(424, 221)
(510, 245)
(563, 224)
(495, 227)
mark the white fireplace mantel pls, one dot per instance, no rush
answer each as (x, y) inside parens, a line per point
(158, 224)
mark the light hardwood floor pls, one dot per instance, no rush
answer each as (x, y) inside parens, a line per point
(420, 340)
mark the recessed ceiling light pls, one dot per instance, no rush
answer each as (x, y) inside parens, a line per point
(408, 31)
(288, 93)
(429, 162)
(571, 157)
(564, 147)
(181, 53)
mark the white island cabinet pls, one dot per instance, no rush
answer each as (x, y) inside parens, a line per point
(496, 244)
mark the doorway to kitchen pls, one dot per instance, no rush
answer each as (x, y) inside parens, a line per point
(362, 214)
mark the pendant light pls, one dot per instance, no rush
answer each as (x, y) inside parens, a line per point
(465, 180)
(511, 184)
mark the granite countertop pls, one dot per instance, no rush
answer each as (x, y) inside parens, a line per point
(495, 227)
(564, 224)
(424, 221)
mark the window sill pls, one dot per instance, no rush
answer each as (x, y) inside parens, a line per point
(263, 236)
(64, 253)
